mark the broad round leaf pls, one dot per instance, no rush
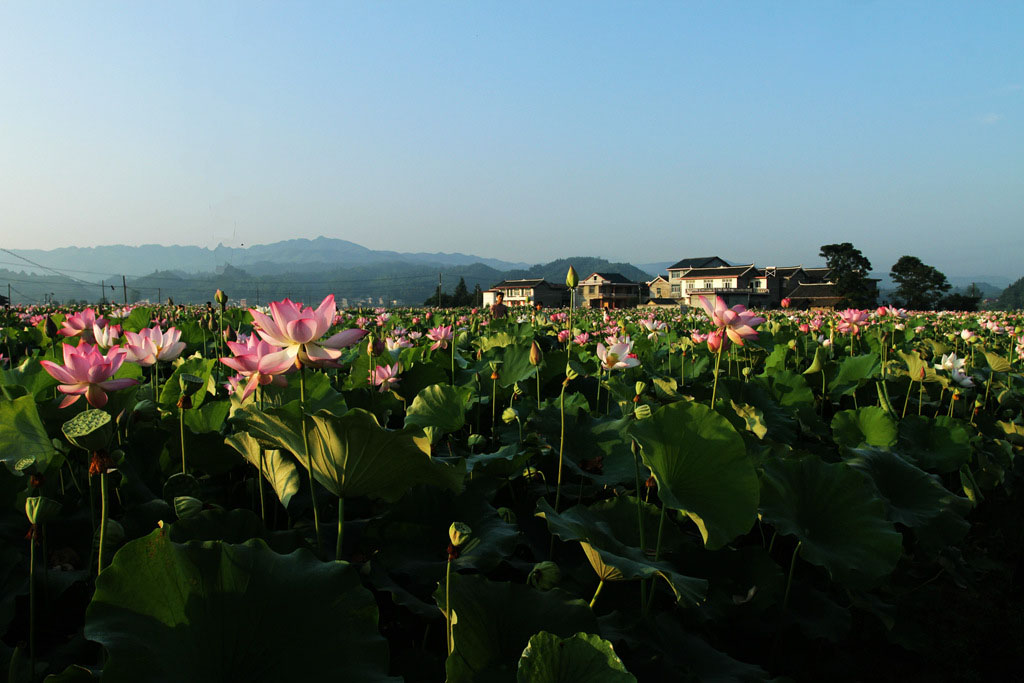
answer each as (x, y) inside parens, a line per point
(583, 658)
(940, 444)
(439, 408)
(869, 425)
(213, 613)
(835, 513)
(702, 468)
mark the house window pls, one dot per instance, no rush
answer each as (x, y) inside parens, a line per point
(592, 289)
(709, 284)
(676, 290)
(758, 284)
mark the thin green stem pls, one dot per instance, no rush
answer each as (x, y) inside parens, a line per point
(596, 593)
(341, 527)
(449, 630)
(308, 459)
(181, 426)
(718, 362)
(103, 520)
(32, 603)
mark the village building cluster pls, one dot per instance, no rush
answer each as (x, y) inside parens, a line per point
(683, 285)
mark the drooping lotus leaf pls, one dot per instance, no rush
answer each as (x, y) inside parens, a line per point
(170, 390)
(791, 389)
(232, 526)
(515, 366)
(582, 658)
(940, 444)
(353, 455)
(213, 612)
(280, 471)
(853, 372)
(612, 559)
(438, 409)
(22, 435)
(495, 621)
(701, 466)
(835, 513)
(870, 425)
(912, 496)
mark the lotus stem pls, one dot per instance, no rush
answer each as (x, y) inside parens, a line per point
(259, 474)
(32, 601)
(600, 585)
(309, 461)
(103, 520)
(449, 629)
(718, 362)
(341, 527)
(561, 451)
(453, 359)
(907, 399)
(181, 426)
(657, 556)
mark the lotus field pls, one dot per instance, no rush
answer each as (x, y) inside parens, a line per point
(300, 493)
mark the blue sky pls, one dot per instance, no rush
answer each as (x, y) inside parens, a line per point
(527, 131)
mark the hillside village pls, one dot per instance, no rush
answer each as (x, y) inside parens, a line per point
(683, 285)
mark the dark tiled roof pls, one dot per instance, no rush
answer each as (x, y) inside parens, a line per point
(519, 284)
(616, 278)
(721, 271)
(815, 290)
(697, 262)
(818, 274)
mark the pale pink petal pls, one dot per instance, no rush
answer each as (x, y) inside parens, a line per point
(345, 338)
(302, 330)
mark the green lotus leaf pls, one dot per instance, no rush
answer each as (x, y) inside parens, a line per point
(940, 444)
(515, 366)
(582, 658)
(853, 372)
(869, 425)
(701, 466)
(201, 371)
(22, 435)
(438, 409)
(72, 674)
(791, 389)
(912, 496)
(232, 526)
(835, 513)
(213, 612)
(613, 560)
(997, 363)
(280, 471)
(494, 621)
(353, 455)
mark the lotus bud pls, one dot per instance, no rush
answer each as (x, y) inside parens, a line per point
(459, 533)
(221, 298)
(40, 509)
(571, 278)
(210, 323)
(979, 402)
(90, 430)
(509, 415)
(375, 347)
(535, 353)
(642, 411)
(229, 334)
(792, 344)
(746, 371)
(544, 575)
(507, 516)
(50, 327)
(532, 473)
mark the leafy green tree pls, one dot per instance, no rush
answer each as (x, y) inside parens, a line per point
(1012, 298)
(850, 269)
(919, 286)
(461, 296)
(961, 301)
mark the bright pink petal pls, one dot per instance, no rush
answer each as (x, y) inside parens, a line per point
(115, 384)
(302, 330)
(96, 397)
(345, 338)
(57, 372)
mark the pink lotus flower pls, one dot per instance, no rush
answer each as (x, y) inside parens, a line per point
(440, 335)
(785, 303)
(386, 376)
(804, 327)
(582, 338)
(106, 337)
(851, 320)
(81, 324)
(737, 322)
(563, 335)
(87, 371)
(150, 345)
(715, 341)
(618, 356)
(698, 337)
(261, 362)
(297, 330)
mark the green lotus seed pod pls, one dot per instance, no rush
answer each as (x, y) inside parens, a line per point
(509, 415)
(459, 533)
(40, 509)
(187, 506)
(90, 430)
(145, 410)
(190, 384)
(640, 387)
(571, 373)
(507, 516)
(642, 411)
(544, 575)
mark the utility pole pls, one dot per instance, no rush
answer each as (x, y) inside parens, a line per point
(103, 290)
(439, 290)
(258, 295)
(124, 288)
(159, 295)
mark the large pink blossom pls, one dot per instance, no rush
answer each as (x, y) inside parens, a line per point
(298, 330)
(261, 362)
(617, 356)
(440, 335)
(87, 371)
(81, 325)
(737, 322)
(386, 376)
(851, 320)
(152, 344)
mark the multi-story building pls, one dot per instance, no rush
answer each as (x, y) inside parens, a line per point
(531, 292)
(612, 290)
